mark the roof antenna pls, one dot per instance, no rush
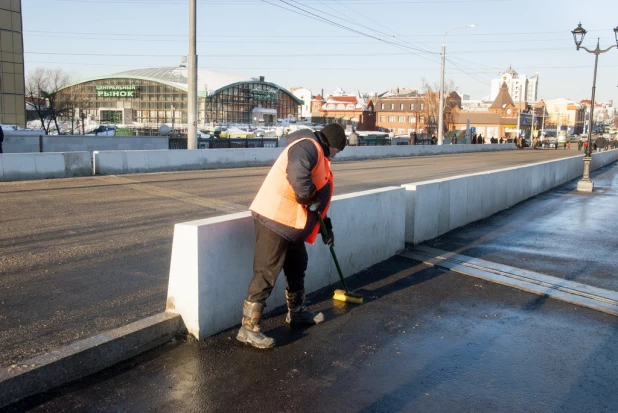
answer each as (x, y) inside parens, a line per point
(183, 61)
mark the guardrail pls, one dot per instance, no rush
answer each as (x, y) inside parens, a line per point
(374, 142)
(226, 143)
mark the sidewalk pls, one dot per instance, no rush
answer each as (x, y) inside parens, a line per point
(426, 339)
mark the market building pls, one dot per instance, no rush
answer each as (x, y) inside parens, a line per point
(152, 97)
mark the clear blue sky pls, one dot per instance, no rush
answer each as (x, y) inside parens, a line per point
(251, 37)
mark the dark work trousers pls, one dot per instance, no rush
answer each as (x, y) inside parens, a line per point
(273, 253)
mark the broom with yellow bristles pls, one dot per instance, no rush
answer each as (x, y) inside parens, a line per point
(345, 294)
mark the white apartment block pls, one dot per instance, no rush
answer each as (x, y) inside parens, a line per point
(519, 86)
(304, 95)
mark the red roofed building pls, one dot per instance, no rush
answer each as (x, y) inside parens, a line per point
(344, 109)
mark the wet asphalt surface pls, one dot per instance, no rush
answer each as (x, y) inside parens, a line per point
(561, 233)
(426, 340)
(82, 255)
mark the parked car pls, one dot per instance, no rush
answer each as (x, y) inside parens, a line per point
(104, 130)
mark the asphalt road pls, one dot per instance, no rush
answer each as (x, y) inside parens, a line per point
(82, 255)
(425, 340)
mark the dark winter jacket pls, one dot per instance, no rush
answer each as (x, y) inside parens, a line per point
(302, 158)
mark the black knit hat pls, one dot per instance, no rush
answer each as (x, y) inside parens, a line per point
(334, 135)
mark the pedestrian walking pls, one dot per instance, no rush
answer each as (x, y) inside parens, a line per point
(1, 138)
(299, 182)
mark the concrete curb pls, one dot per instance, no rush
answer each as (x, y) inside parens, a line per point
(85, 357)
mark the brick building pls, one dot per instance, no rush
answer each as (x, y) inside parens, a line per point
(402, 114)
(413, 112)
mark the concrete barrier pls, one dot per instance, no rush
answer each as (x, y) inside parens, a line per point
(212, 259)
(126, 162)
(438, 206)
(23, 166)
(21, 142)
(121, 162)
(371, 152)
(33, 141)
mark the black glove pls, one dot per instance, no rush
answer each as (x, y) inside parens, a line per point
(329, 239)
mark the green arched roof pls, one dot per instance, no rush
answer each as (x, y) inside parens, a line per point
(290, 94)
(176, 77)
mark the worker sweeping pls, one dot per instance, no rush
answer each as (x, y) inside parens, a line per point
(298, 187)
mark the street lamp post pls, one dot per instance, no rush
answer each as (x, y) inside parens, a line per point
(586, 183)
(441, 107)
(192, 81)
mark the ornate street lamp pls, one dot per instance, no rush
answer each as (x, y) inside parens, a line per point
(579, 33)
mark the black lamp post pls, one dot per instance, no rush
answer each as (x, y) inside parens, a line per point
(579, 33)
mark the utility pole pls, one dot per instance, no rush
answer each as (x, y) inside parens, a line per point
(543, 122)
(441, 99)
(192, 84)
(519, 114)
(173, 119)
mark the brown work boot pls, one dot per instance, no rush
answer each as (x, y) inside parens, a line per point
(298, 312)
(250, 331)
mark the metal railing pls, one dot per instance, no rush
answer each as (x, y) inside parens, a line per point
(181, 143)
(374, 142)
(423, 142)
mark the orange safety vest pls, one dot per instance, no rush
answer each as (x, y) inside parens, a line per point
(276, 199)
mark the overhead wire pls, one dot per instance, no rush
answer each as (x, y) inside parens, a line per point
(228, 2)
(424, 49)
(328, 21)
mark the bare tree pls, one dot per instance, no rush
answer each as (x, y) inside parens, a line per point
(42, 86)
(431, 98)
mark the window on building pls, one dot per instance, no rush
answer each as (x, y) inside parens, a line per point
(391, 119)
(422, 106)
(411, 119)
(421, 119)
(401, 106)
(382, 106)
(382, 118)
(402, 119)
(392, 106)
(411, 106)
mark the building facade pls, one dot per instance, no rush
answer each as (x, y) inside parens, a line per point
(347, 110)
(519, 86)
(497, 121)
(152, 97)
(306, 96)
(403, 115)
(12, 84)
(414, 113)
